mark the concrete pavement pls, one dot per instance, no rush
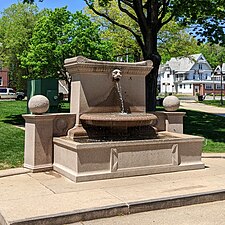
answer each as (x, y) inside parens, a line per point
(49, 198)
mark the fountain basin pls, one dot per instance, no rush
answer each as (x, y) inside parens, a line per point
(118, 119)
(119, 126)
(103, 160)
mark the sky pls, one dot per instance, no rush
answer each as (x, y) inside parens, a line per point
(73, 5)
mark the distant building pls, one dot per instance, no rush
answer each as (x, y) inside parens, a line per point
(4, 76)
(186, 75)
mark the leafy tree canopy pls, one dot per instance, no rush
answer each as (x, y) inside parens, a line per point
(16, 28)
(59, 35)
(151, 15)
(124, 44)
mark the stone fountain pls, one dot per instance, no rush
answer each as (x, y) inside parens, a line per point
(107, 133)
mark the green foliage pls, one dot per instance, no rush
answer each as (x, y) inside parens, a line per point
(206, 18)
(150, 17)
(174, 41)
(169, 37)
(215, 54)
(16, 27)
(59, 35)
(123, 41)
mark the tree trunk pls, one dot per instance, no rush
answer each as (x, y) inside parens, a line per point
(150, 53)
(151, 86)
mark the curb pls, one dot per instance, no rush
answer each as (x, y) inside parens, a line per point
(13, 172)
(124, 209)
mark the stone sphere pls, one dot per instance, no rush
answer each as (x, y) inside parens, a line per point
(38, 104)
(171, 103)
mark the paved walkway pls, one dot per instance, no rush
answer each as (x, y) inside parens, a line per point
(49, 198)
(196, 106)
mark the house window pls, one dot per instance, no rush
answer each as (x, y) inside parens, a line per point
(193, 77)
(218, 86)
(200, 66)
(208, 86)
(180, 86)
(1, 81)
(184, 86)
(190, 86)
(168, 75)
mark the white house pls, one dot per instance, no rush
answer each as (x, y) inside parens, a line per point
(185, 75)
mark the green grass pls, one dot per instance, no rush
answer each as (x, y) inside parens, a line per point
(209, 126)
(214, 103)
(11, 137)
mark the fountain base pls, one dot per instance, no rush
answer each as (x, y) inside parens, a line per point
(102, 160)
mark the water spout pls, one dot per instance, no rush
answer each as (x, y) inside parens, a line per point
(119, 90)
(116, 75)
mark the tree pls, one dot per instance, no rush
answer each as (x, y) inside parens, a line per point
(174, 41)
(169, 37)
(125, 47)
(58, 35)
(151, 15)
(16, 27)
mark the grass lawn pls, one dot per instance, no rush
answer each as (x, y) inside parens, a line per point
(214, 103)
(11, 137)
(210, 126)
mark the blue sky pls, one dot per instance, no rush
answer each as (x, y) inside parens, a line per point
(73, 5)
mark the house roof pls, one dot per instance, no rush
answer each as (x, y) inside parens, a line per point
(219, 67)
(186, 63)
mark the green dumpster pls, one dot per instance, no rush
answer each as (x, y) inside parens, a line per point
(47, 87)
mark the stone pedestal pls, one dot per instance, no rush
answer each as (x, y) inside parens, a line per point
(174, 122)
(38, 142)
(40, 129)
(170, 121)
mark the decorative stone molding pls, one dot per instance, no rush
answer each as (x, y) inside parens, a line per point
(62, 123)
(114, 160)
(82, 65)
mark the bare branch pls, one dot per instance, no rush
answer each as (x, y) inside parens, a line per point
(163, 12)
(138, 37)
(138, 8)
(126, 11)
(127, 2)
(167, 20)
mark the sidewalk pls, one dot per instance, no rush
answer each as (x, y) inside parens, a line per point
(49, 198)
(196, 106)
